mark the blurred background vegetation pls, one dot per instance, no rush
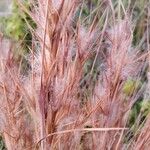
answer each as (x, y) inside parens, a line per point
(14, 26)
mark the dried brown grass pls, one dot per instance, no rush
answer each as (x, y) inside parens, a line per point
(44, 109)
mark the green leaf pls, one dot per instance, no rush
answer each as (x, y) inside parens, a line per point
(130, 86)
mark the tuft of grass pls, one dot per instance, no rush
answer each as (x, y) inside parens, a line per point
(63, 102)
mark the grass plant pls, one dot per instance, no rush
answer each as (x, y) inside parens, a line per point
(88, 69)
